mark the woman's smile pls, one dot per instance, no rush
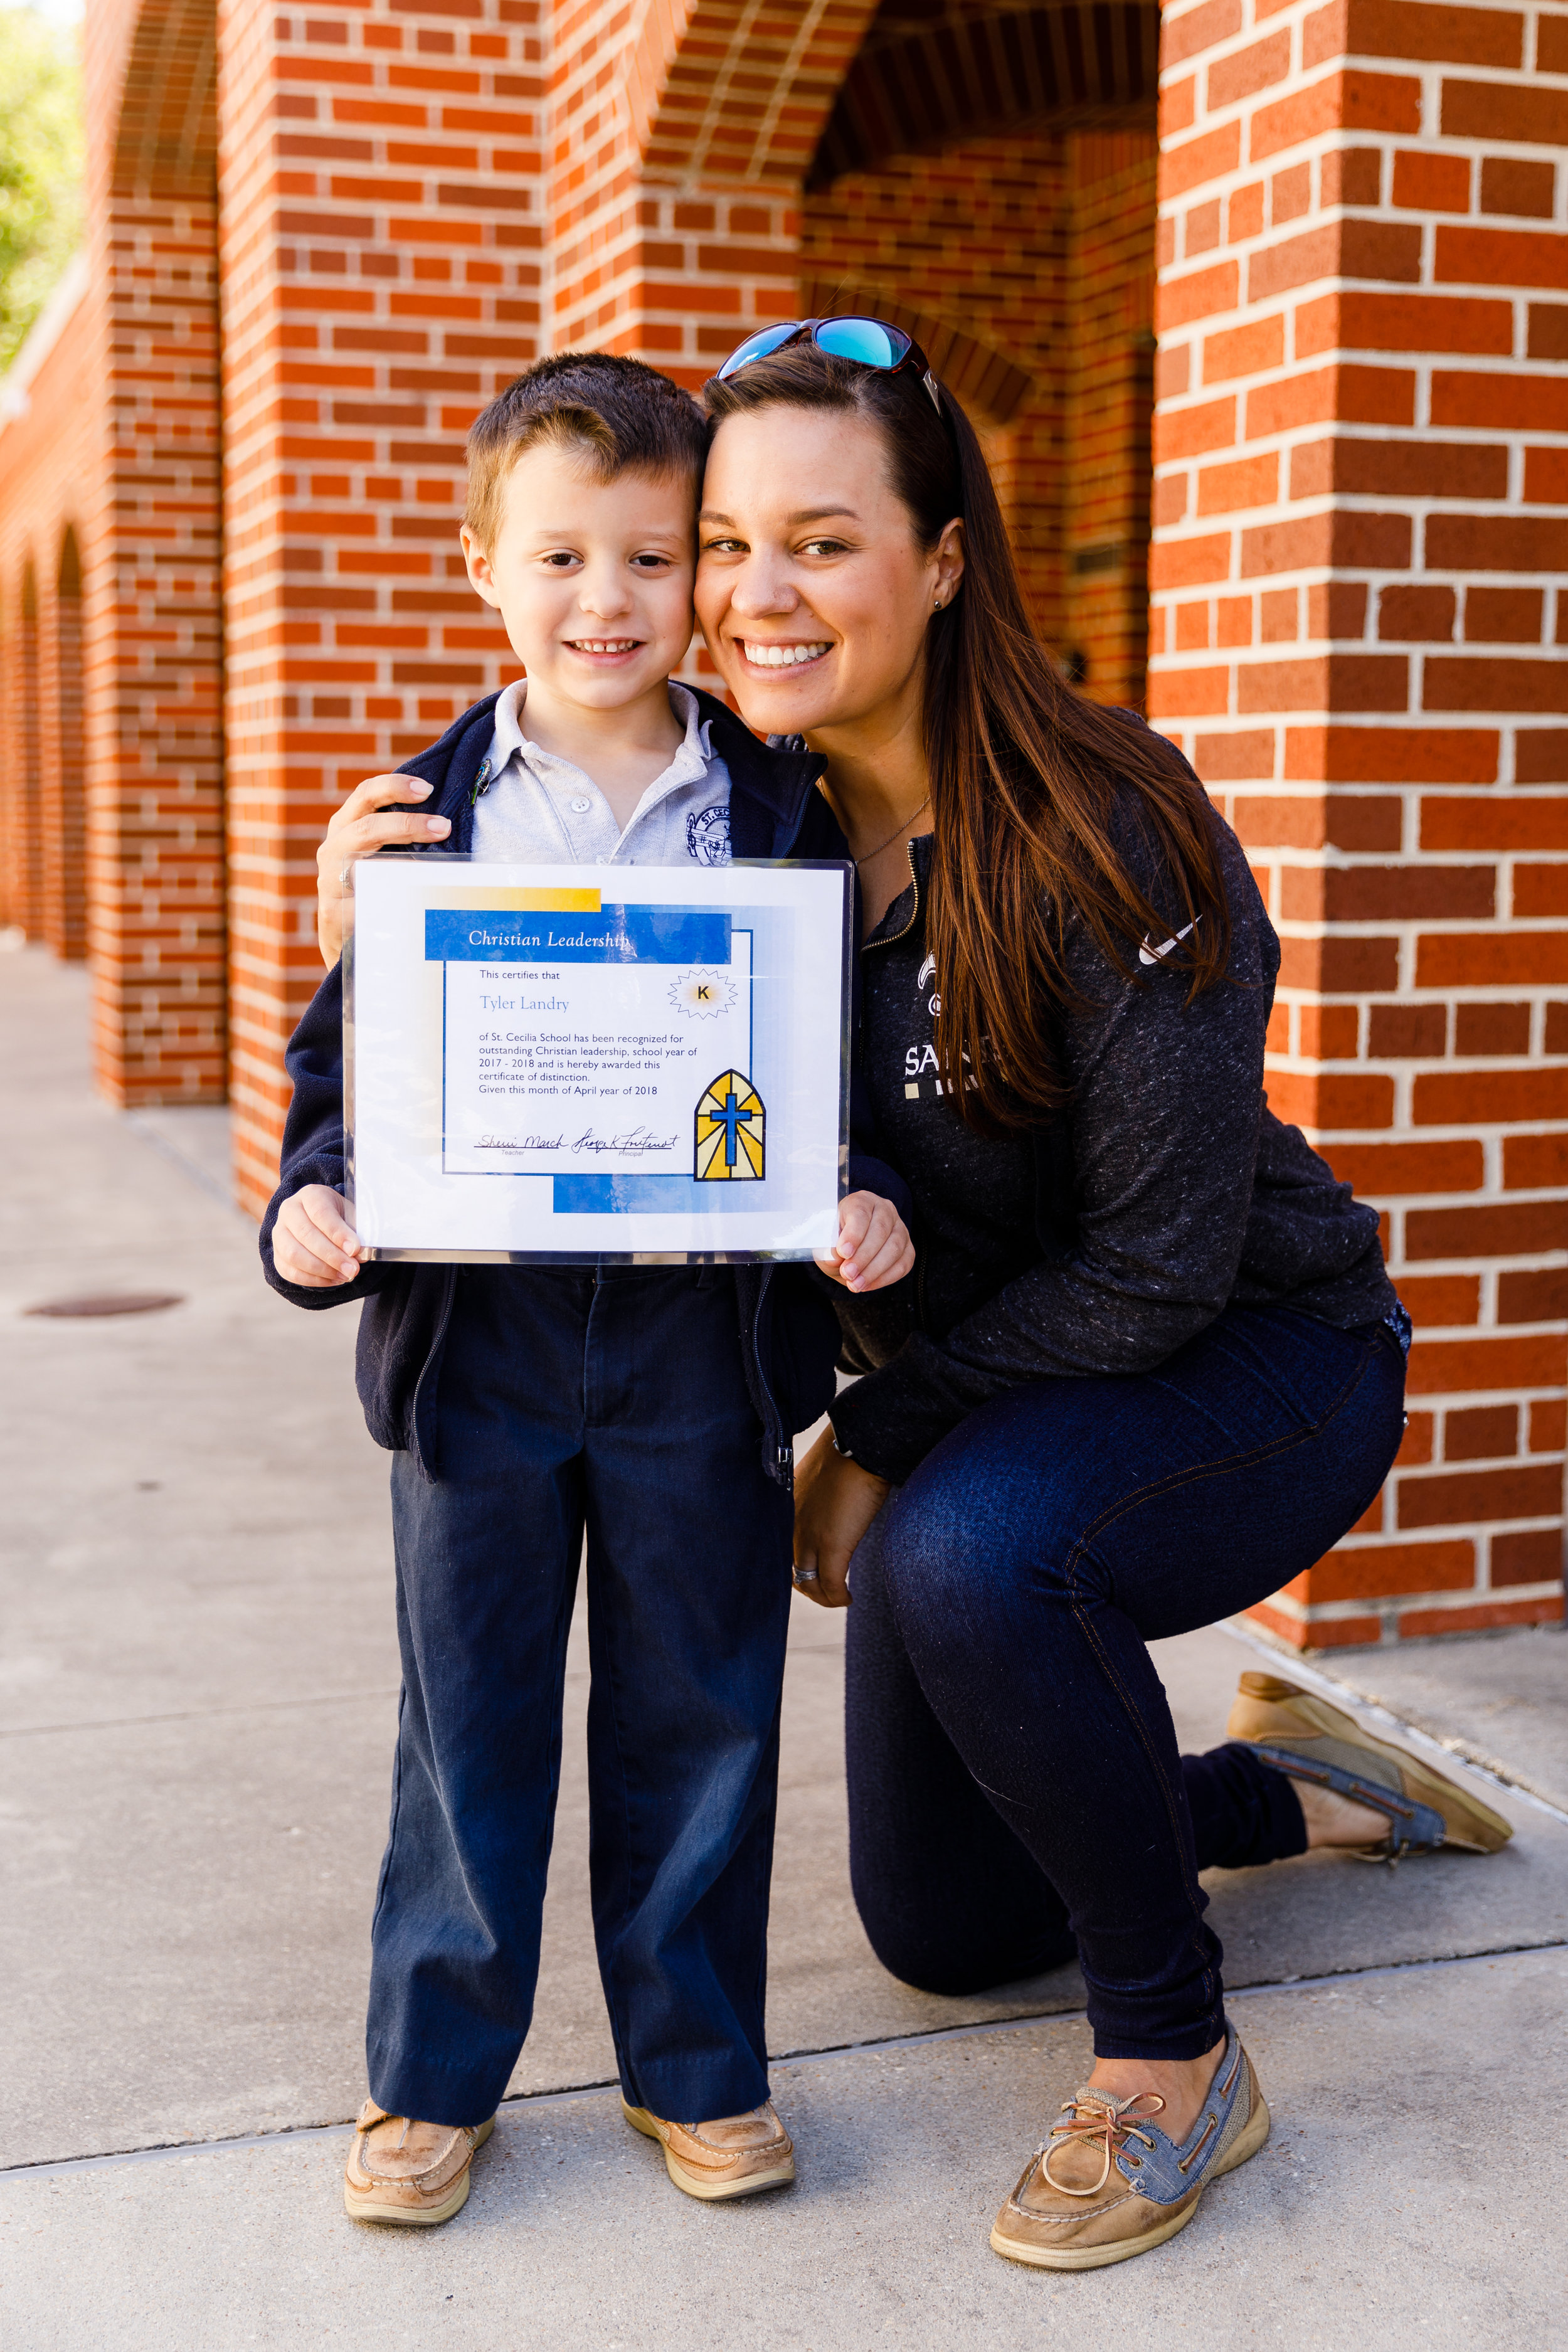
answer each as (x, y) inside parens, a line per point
(764, 653)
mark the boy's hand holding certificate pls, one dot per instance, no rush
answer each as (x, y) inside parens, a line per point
(566, 1061)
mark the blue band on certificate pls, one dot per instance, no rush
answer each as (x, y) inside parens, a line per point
(614, 935)
(628, 1196)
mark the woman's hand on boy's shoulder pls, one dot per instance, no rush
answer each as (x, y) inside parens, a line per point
(874, 1246)
(313, 1244)
(368, 820)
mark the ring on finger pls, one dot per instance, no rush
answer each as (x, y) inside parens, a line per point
(805, 1576)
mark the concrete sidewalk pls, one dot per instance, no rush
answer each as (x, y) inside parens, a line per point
(197, 1700)
(1389, 2207)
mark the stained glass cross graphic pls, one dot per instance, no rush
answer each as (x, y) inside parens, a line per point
(733, 1118)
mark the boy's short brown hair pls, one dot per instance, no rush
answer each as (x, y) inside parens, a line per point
(623, 416)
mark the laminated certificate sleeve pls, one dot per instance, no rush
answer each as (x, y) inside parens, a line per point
(596, 1061)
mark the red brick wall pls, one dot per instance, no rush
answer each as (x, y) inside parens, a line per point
(974, 253)
(27, 847)
(1111, 313)
(1361, 500)
(151, 543)
(1025, 267)
(45, 487)
(381, 177)
(63, 763)
(673, 194)
(156, 742)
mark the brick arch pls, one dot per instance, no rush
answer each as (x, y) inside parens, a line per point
(738, 90)
(167, 134)
(931, 72)
(991, 387)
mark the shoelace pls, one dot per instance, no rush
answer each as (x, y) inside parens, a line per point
(1104, 2117)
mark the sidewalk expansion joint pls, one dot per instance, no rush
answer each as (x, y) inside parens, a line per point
(292, 2135)
(195, 1714)
(199, 1174)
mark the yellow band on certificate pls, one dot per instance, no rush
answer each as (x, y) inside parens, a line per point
(516, 901)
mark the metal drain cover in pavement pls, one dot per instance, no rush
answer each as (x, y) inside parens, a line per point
(110, 1302)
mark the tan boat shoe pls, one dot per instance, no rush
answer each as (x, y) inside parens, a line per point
(1305, 1737)
(734, 2156)
(1108, 2184)
(413, 2173)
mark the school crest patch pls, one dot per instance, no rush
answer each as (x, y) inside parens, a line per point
(708, 835)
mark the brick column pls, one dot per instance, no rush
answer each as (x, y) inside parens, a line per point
(24, 851)
(49, 484)
(1112, 384)
(62, 820)
(1360, 488)
(382, 251)
(676, 164)
(677, 144)
(153, 653)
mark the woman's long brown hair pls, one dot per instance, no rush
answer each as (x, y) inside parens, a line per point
(1037, 794)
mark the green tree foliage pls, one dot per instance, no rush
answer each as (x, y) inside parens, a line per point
(40, 167)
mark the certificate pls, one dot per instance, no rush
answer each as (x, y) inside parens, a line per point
(572, 1061)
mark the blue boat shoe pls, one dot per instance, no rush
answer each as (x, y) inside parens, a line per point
(1108, 2184)
(1305, 1737)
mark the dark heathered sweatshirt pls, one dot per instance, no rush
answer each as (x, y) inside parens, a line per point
(1102, 1240)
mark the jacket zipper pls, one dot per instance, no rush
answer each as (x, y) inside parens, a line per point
(895, 936)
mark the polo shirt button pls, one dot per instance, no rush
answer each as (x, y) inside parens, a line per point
(578, 806)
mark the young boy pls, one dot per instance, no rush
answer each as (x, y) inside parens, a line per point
(652, 1406)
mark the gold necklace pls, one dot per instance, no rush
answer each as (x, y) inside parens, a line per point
(892, 836)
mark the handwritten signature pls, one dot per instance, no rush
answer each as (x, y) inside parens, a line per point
(636, 1141)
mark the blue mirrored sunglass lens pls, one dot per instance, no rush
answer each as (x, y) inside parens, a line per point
(865, 339)
(756, 347)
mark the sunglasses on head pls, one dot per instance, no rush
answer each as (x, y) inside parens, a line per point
(869, 342)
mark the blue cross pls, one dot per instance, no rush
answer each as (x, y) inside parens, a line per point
(733, 1120)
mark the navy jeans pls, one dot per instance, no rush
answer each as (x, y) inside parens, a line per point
(615, 1401)
(1015, 1793)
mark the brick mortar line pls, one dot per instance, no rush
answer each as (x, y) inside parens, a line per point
(1435, 1602)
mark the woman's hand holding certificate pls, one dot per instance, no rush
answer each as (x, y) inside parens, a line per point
(370, 819)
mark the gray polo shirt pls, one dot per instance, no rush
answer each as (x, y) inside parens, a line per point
(539, 809)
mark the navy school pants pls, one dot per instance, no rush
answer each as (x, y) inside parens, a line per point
(1015, 1793)
(615, 1400)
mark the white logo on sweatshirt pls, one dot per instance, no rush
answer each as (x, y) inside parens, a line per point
(928, 971)
(1147, 955)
